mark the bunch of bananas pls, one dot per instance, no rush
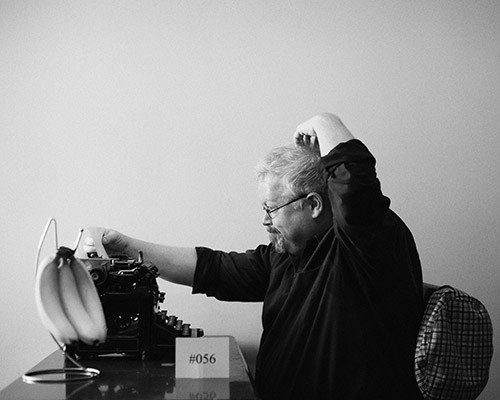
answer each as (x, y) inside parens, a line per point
(67, 300)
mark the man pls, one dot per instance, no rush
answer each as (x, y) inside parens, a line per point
(341, 279)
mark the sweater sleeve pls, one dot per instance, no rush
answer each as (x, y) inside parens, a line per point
(353, 187)
(232, 276)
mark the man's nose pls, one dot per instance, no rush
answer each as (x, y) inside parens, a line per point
(266, 221)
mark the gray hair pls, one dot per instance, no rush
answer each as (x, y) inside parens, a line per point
(299, 169)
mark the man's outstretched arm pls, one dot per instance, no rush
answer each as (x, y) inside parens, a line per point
(175, 264)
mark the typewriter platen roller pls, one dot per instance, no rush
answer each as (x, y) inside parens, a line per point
(130, 298)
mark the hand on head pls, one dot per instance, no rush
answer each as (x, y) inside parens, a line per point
(322, 133)
(305, 136)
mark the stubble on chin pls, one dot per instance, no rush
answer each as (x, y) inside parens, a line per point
(278, 241)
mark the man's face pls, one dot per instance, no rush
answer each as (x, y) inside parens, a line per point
(285, 228)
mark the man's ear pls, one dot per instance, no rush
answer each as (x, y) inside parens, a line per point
(315, 202)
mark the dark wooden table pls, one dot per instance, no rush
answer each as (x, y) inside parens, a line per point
(124, 378)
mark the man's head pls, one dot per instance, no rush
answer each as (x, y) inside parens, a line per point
(293, 191)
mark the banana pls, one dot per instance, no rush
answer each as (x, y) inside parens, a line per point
(48, 301)
(90, 297)
(87, 330)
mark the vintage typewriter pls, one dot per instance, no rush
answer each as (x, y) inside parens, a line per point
(130, 297)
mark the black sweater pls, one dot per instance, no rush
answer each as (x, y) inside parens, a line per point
(340, 320)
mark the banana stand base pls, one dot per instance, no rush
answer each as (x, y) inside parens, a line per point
(62, 375)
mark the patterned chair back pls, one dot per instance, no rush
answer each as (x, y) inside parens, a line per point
(454, 345)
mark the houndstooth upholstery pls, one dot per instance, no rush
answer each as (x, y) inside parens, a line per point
(454, 346)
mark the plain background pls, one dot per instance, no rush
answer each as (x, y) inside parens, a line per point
(149, 117)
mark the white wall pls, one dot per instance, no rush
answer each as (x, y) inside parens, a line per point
(148, 116)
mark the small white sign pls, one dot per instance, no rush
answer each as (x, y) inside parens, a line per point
(204, 357)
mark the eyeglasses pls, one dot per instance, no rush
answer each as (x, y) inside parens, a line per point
(269, 211)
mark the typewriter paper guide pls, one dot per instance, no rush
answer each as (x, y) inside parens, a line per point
(91, 234)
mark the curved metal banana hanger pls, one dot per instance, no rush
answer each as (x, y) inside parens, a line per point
(79, 372)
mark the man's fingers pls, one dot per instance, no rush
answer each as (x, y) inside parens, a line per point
(305, 136)
(302, 140)
(297, 137)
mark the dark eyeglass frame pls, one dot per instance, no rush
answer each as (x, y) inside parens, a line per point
(269, 211)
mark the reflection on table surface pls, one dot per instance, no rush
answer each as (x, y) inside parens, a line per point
(124, 378)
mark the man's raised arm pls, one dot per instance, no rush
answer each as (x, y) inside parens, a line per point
(322, 132)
